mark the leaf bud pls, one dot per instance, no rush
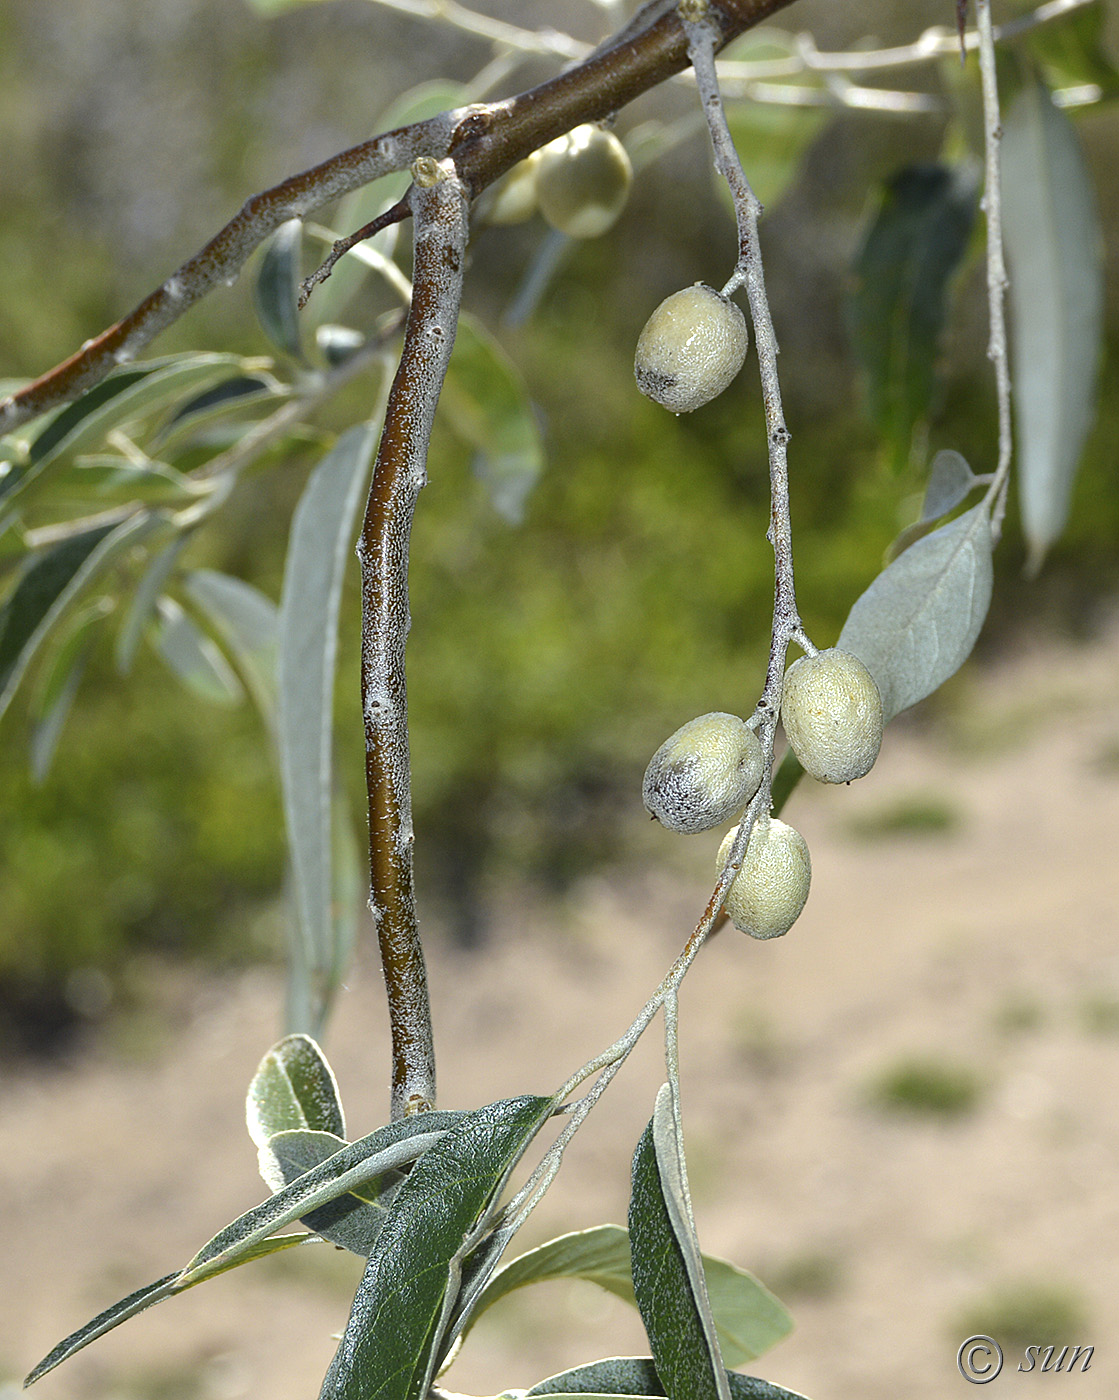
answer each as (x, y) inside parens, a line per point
(771, 887)
(583, 181)
(690, 349)
(705, 773)
(832, 713)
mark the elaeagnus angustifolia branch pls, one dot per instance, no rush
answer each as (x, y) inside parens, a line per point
(484, 139)
(996, 265)
(439, 215)
(703, 42)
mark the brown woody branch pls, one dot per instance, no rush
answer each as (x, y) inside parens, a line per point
(484, 140)
(440, 225)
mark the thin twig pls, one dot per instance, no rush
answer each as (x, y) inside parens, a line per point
(997, 280)
(440, 228)
(748, 272)
(400, 211)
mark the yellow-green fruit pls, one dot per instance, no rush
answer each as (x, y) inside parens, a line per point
(691, 348)
(832, 713)
(771, 887)
(583, 180)
(705, 773)
(512, 199)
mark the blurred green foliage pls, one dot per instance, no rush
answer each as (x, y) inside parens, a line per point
(547, 659)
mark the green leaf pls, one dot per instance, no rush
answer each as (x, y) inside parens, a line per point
(951, 480)
(294, 1087)
(487, 403)
(352, 1221)
(748, 1317)
(247, 621)
(124, 397)
(48, 585)
(142, 608)
(322, 537)
(59, 684)
(145, 1298)
(192, 656)
(1055, 251)
(229, 397)
(411, 1280)
(899, 301)
(636, 1375)
(276, 290)
(348, 1170)
(917, 622)
(664, 1260)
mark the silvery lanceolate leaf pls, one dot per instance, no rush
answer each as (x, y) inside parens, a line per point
(917, 622)
(666, 1270)
(276, 292)
(322, 538)
(1055, 251)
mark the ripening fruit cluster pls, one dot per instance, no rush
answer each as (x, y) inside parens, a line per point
(579, 183)
(712, 766)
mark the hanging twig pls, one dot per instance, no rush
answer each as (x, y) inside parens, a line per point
(438, 206)
(997, 280)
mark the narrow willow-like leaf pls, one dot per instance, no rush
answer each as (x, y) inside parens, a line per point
(412, 1276)
(349, 1169)
(636, 1376)
(293, 1087)
(247, 621)
(46, 589)
(141, 609)
(352, 1221)
(322, 535)
(1055, 251)
(146, 1297)
(230, 396)
(668, 1145)
(125, 396)
(276, 289)
(899, 300)
(918, 621)
(749, 1319)
(59, 684)
(685, 1359)
(487, 404)
(195, 658)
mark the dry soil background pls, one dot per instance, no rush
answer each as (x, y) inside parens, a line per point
(988, 947)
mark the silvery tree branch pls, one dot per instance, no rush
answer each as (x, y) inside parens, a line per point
(702, 46)
(439, 212)
(484, 140)
(997, 280)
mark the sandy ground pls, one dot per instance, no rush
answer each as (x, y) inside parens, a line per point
(988, 947)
